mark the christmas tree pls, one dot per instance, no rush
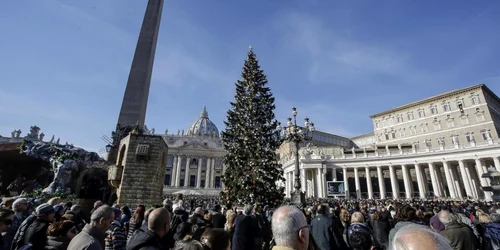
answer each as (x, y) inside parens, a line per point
(251, 139)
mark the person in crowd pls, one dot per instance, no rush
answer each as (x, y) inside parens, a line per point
(59, 212)
(115, 236)
(245, 231)
(20, 208)
(136, 221)
(59, 234)
(491, 235)
(158, 227)
(218, 219)
(36, 233)
(290, 229)
(414, 236)
(93, 234)
(167, 204)
(464, 219)
(380, 227)
(458, 234)
(358, 224)
(184, 233)
(360, 237)
(435, 223)
(7, 203)
(178, 203)
(6, 218)
(54, 201)
(405, 215)
(216, 239)
(189, 245)
(126, 215)
(345, 219)
(324, 231)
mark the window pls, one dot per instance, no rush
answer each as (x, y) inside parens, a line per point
(441, 141)
(170, 161)
(450, 121)
(401, 132)
(393, 134)
(479, 115)
(413, 130)
(428, 143)
(386, 136)
(446, 106)
(464, 119)
(399, 118)
(437, 124)
(485, 134)
(416, 146)
(410, 116)
(474, 98)
(469, 137)
(434, 110)
(460, 103)
(384, 122)
(421, 113)
(424, 128)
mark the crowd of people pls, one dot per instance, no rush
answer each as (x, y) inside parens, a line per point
(201, 223)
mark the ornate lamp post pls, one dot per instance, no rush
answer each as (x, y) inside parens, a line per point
(296, 134)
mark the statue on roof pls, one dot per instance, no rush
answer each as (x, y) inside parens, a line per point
(152, 131)
(58, 140)
(166, 131)
(41, 136)
(52, 139)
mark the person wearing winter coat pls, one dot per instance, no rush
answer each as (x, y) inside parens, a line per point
(491, 235)
(36, 233)
(115, 236)
(59, 234)
(93, 234)
(158, 227)
(460, 236)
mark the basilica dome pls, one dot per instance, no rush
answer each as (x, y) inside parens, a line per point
(203, 126)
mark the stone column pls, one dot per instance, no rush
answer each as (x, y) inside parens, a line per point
(381, 182)
(496, 161)
(208, 172)
(440, 181)
(173, 172)
(356, 181)
(346, 182)
(469, 171)
(407, 179)
(212, 173)
(323, 183)
(466, 181)
(449, 180)
(434, 180)
(186, 174)
(369, 183)
(198, 175)
(420, 181)
(334, 174)
(178, 173)
(394, 182)
(303, 179)
(484, 181)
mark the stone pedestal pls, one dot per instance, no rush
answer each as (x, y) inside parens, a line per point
(298, 199)
(143, 158)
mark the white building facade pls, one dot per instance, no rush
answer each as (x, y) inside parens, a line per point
(195, 156)
(436, 147)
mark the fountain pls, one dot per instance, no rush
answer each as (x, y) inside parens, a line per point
(494, 176)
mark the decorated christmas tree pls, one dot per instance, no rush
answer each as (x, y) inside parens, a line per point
(250, 140)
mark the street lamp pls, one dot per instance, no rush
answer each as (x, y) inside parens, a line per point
(296, 134)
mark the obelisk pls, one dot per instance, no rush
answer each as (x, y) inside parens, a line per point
(135, 100)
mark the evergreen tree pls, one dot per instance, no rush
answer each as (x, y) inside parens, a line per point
(251, 140)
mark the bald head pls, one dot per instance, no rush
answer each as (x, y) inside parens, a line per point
(286, 222)
(414, 237)
(159, 221)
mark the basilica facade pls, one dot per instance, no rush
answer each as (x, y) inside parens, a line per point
(195, 156)
(437, 147)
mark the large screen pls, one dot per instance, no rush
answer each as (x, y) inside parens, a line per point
(335, 188)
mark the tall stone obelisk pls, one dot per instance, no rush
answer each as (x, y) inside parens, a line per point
(140, 158)
(135, 100)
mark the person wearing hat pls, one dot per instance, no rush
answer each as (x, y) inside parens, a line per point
(36, 234)
(20, 207)
(218, 219)
(6, 216)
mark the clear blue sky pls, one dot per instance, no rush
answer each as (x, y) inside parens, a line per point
(64, 63)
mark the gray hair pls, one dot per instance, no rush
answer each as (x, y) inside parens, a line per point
(247, 210)
(285, 223)
(103, 211)
(403, 238)
(495, 217)
(357, 217)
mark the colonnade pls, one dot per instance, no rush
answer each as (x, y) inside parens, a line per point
(457, 179)
(191, 171)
